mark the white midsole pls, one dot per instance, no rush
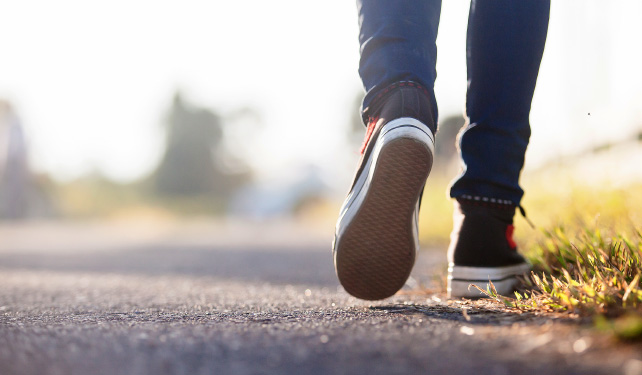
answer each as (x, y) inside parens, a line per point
(391, 131)
(504, 279)
(485, 273)
(459, 289)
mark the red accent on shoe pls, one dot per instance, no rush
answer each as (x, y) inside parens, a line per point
(509, 237)
(371, 125)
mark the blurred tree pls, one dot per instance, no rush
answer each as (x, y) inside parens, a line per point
(189, 166)
(14, 171)
(446, 154)
(22, 194)
(446, 139)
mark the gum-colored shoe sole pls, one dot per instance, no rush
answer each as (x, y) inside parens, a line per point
(377, 250)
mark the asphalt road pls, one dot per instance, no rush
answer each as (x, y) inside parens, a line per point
(233, 298)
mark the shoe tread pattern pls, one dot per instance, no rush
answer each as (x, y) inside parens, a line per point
(377, 250)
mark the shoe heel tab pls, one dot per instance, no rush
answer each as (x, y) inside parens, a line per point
(403, 99)
(503, 210)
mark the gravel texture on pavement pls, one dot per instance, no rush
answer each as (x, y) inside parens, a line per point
(209, 299)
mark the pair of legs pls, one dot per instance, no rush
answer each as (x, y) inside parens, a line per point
(376, 237)
(505, 42)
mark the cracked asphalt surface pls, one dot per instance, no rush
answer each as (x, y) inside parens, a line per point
(236, 298)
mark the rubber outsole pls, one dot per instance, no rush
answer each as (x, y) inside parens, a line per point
(377, 249)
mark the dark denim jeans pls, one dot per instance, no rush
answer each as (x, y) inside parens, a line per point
(505, 42)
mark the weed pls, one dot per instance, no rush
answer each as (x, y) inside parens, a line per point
(591, 275)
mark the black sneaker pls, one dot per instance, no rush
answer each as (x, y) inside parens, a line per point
(482, 248)
(376, 234)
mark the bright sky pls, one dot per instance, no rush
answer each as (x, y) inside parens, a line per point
(92, 80)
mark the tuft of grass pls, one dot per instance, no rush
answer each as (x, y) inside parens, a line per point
(589, 262)
(589, 275)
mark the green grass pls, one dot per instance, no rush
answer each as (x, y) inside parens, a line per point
(591, 275)
(588, 258)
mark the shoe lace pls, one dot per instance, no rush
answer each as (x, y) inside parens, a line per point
(523, 212)
(372, 122)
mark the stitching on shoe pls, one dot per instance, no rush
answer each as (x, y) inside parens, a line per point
(477, 200)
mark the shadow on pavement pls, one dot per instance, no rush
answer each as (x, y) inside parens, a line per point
(473, 316)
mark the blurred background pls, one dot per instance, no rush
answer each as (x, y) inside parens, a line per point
(167, 112)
